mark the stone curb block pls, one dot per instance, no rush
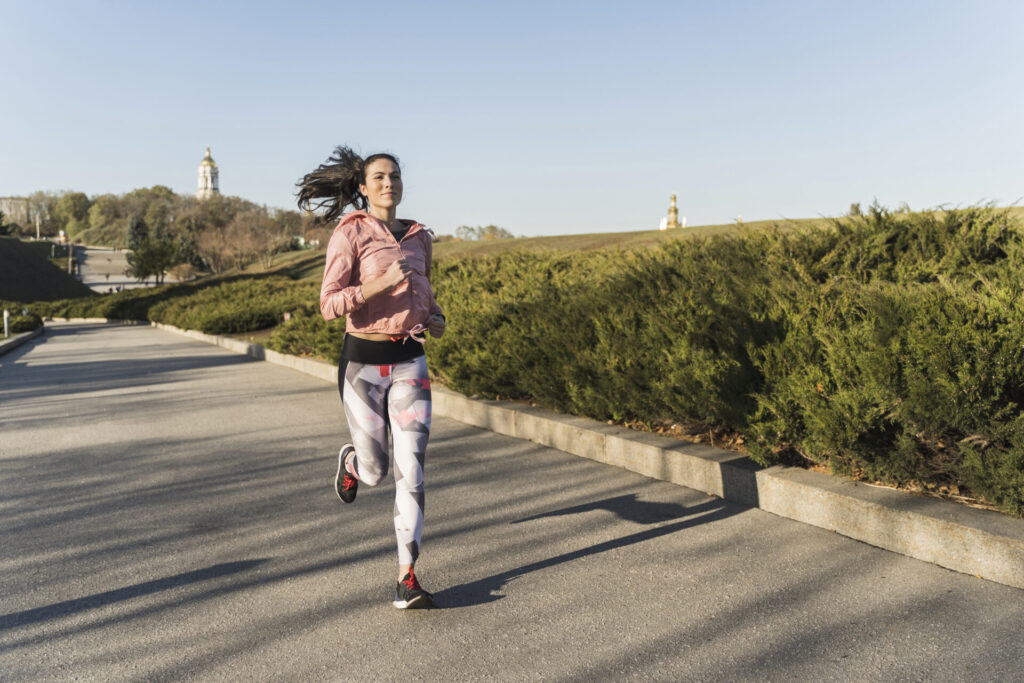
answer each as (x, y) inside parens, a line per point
(16, 340)
(986, 544)
(107, 321)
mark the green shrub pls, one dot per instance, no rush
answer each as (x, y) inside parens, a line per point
(225, 306)
(239, 306)
(19, 322)
(309, 335)
(888, 346)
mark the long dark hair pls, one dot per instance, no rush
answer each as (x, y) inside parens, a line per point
(335, 183)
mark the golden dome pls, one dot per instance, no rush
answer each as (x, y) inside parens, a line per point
(208, 160)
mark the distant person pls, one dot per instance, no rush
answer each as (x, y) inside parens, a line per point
(378, 277)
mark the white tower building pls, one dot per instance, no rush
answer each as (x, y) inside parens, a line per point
(207, 177)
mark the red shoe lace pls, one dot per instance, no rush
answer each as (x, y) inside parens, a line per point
(411, 583)
(348, 482)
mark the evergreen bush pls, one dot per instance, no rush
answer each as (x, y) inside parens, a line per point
(21, 322)
(239, 306)
(307, 334)
(889, 346)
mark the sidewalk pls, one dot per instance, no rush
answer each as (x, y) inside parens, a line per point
(977, 542)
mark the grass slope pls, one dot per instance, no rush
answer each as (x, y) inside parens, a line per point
(309, 265)
(27, 275)
(603, 240)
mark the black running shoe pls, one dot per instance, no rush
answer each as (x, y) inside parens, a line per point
(345, 484)
(409, 595)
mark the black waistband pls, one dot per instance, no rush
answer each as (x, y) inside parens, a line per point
(359, 350)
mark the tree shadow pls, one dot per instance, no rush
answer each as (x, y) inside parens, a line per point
(488, 588)
(625, 507)
(61, 609)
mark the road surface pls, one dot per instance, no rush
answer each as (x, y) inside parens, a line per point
(169, 515)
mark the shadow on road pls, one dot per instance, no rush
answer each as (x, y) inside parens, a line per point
(42, 381)
(62, 609)
(627, 508)
(487, 589)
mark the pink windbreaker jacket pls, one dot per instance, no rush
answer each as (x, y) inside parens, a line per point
(360, 250)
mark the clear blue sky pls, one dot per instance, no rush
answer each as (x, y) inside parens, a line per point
(541, 117)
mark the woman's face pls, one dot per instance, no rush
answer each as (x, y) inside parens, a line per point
(383, 186)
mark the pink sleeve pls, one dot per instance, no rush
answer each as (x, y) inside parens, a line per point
(338, 296)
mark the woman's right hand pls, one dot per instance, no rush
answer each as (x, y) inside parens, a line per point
(397, 273)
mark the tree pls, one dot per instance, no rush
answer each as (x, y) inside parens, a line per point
(72, 212)
(104, 212)
(278, 229)
(491, 232)
(5, 229)
(151, 254)
(42, 205)
(213, 246)
(252, 235)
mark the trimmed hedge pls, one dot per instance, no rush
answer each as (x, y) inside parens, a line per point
(239, 306)
(889, 346)
(308, 334)
(20, 322)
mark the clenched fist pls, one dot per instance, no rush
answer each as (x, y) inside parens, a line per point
(436, 324)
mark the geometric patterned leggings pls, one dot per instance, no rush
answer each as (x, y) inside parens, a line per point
(374, 396)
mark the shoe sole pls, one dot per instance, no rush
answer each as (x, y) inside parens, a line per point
(339, 476)
(419, 602)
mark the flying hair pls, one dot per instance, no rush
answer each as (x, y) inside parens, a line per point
(335, 183)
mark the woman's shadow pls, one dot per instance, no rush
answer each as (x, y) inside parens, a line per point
(488, 589)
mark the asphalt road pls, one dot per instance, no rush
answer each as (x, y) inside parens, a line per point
(168, 515)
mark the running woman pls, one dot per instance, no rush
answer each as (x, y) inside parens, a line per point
(378, 277)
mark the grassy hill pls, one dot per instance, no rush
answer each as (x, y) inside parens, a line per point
(26, 274)
(310, 264)
(303, 265)
(603, 240)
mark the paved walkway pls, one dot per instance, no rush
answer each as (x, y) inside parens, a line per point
(168, 515)
(103, 270)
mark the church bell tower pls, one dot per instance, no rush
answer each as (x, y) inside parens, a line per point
(207, 177)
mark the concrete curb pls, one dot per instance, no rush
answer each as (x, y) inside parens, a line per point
(106, 321)
(16, 340)
(986, 544)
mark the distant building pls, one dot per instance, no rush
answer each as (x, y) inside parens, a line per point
(208, 174)
(672, 219)
(15, 210)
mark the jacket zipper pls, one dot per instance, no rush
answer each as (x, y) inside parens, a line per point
(398, 243)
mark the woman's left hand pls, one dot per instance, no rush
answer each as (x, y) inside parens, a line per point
(436, 325)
